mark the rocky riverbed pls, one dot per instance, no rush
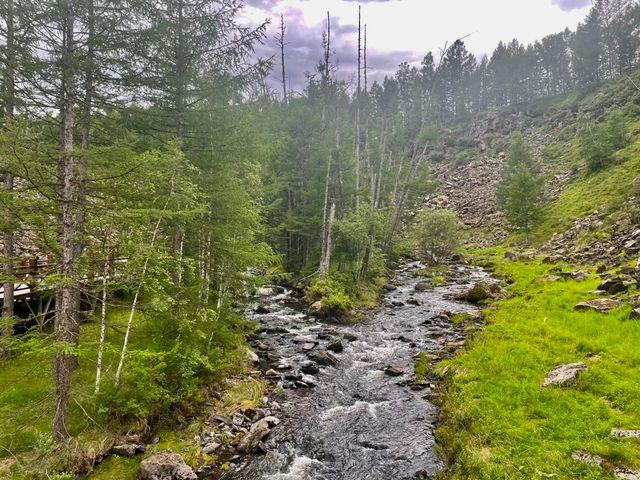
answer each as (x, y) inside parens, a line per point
(348, 403)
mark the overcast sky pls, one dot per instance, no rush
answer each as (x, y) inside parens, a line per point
(403, 30)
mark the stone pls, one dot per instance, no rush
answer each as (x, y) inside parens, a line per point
(256, 433)
(349, 337)
(210, 448)
(598, 305)
(397, 303)
(322, 357)
(577, 275)
(625, 433)
(265, 291)
(635, 314)
(393, 371)
(262, 310)
(550, 278)
(128, 449)
(421, 475)
(551, 259)
(564, 375)
(423, 287)
(252, 356)
(166, 466)
(414, 301)
(308, 346)
(622, 473)
(327, 333)
(271, 373)
(315, 307)
(613, 285)
(307, 381)
(481, 292)
(336, 346)
(587, 458)
(309, 368)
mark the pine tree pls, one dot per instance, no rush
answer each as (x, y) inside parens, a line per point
(520, 190)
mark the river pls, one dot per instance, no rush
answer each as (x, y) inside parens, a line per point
(357, 421)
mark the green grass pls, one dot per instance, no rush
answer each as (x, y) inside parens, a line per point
(498, 423)
(422, 366)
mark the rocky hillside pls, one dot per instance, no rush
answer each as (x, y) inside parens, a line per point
(588, 217)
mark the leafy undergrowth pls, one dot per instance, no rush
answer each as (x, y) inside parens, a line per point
(498, 423)
(160, 386)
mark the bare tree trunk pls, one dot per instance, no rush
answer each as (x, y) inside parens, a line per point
(67, 326)
(134, 303)
(357, 129)
(324, 214)
(365, 58)
(281, 44)
(136, 296)
(8, 234)
(83, 164)
(103, 324)
(181, 108)
(373, 200)
(416, 160)
(325, 262)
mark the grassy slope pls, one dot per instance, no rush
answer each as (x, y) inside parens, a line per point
(498, 421)
(605, 191)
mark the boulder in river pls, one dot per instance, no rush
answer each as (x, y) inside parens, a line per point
(349, 337)
(393, 371)
(308, 346)
(309, 368)
(166, 466)
(414, 301)
(261, 310)
(564, 375)
(598, 305)
(481, 292)
(322, 357)
(265, 291)
(423, 287)
(336, 346)
(256, 433)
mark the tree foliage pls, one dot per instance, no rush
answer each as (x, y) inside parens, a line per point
(438, 234)
(521, 187)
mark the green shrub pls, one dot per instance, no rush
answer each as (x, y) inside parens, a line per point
(324, 287)
(437, 234)
(597, 142)
(337, 304)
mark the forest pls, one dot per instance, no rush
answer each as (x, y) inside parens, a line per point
(174, 223)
